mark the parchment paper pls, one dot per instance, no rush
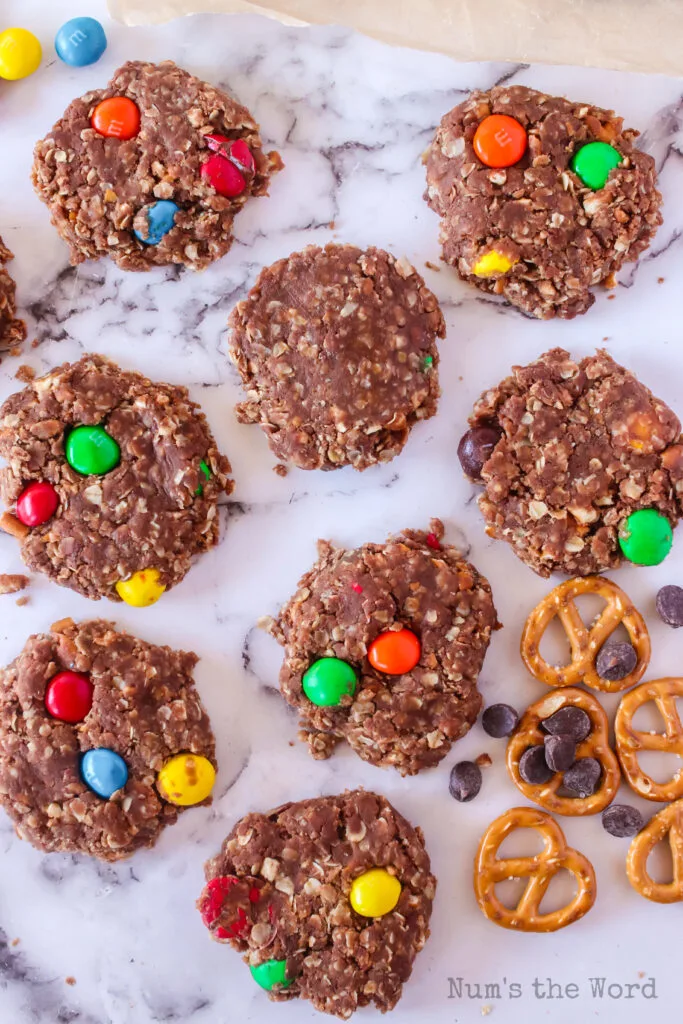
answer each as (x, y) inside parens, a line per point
(635, 35)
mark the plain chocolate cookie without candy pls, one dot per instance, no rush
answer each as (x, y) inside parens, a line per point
(336, 348)
(281, 893)
(345, 602)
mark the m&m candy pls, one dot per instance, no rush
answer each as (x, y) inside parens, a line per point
(271, 974)
(327, 681)
(492, 263)
(160, 219)
(80, 41)
(104, 771)
(593, 163)
(37, 503)
(645, 537)
(207, 473)
(375, 893)
(142, 589)
(500, 141)
(90, 450)
(20, 53)
(69, 696)
(237, 151)
(186, 779)
(394, 652)
(222, 175)
(116, 118)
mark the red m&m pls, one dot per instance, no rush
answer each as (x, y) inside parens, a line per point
(116, 118)
(223, 176)
(37, 503)
(394, 652)
(237, 151)
(69, 696)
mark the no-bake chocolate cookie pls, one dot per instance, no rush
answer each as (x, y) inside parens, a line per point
(329, 899)
(92, 723)
(540, 198)
(336, 350)
(383, 647)
(572, 450)
(115, 480)
(152, 169)
(12, 331)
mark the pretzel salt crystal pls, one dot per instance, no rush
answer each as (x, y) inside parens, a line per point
(530, 734)
(585, 642)
(489, 869)
(630, 741)
(668, 823)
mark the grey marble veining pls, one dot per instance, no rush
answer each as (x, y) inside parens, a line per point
(351, 119)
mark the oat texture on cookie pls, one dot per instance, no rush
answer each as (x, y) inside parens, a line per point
(124, 170)
(540, 197)
(328, 899)
(104, 469)
(583, 450)
(408, 707)
(89, 720)
(12, 330)
(336, 348)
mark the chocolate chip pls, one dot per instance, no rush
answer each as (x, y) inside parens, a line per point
(568, 721)
(621, 820)
(465, 781)
(669, 604)
(475, 448)
(533, 766)
(499, 720)
(616, 661)
(583, 776)
(560, 752)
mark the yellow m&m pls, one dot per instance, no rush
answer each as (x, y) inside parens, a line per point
(142, 589)
(20, 53)
(375, 893)
(492, 263)
(186, 779)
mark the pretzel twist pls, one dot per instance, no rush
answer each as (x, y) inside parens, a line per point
(529, 734)
(668, 821)
(629, 741)
(489, 869)
(585, 642)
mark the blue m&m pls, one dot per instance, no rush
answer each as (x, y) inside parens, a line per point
(80, 42)
(103, 771)
(160, 219)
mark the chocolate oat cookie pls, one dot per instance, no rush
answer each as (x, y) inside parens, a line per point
(539, 197)
(152, 169)
(336, 350)
(12, 331)
(115, 480)
(383, 646)
(581, 447)
(328, 899)
(103, 738)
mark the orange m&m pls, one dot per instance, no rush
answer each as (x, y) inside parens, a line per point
(116, 118)
(394, 652)
(500, 141)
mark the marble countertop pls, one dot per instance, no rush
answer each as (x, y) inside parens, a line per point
(89, 943)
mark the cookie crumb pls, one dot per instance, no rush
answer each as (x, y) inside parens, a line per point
(484, 761)
(660, 280)
(432, 266)
(70, 980)
(486, 1010)
(25, 374)
(10, 524)
(611, 296)
(281, 469)
(15, 942)
(21, 601)
(332, 225)
(12, 583)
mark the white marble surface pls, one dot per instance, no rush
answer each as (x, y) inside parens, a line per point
(351, 118)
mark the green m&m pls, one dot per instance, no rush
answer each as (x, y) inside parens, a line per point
(645, 537)
(271, 974)
(593, 162)
(207, 473)
(328, 680)
(91, 450)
